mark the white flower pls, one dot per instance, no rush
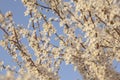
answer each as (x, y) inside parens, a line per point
(3, 43)
(8, 14)
(1, 18)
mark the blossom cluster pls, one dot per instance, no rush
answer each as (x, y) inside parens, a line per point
(89, 39)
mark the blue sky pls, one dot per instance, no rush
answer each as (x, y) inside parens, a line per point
(66, 71)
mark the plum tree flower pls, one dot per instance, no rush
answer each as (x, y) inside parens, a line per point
(1, 18)
(89, 39)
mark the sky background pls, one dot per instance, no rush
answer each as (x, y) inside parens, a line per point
(66, 71)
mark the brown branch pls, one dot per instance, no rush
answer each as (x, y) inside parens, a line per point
(32, 20)
(75, 17)
(91, 18)
(16, 35)
(43, 6)
(4, 67)
(60, 38)
(4, 31)
(83, 45)
(96, 34)
(12, 54)
(105, 46)
(118, 31)
(100, 19)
